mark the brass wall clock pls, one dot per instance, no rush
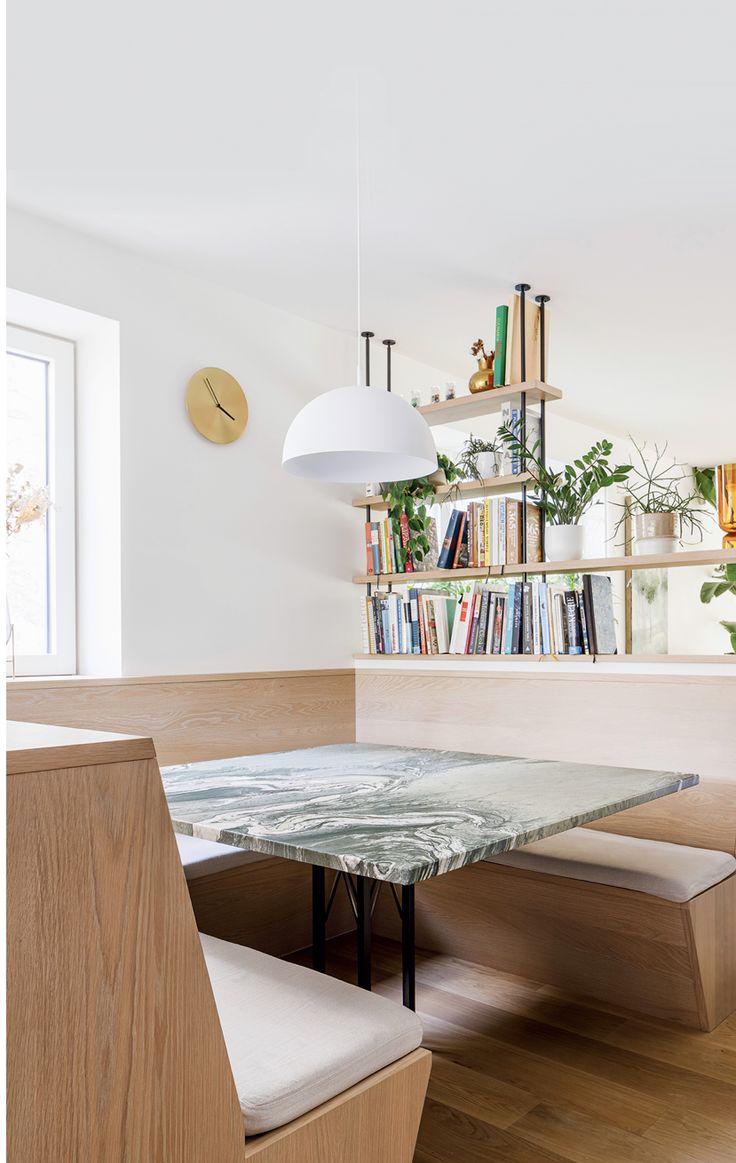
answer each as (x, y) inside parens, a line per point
(216, 405)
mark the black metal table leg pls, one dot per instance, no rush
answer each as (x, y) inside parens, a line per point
(407, 946)
(319, 921)
(363, 897)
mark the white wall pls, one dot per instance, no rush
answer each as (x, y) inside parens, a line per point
(226, 562)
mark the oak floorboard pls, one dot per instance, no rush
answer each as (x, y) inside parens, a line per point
(523, 1073)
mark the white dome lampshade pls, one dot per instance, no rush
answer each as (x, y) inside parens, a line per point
(356, 435)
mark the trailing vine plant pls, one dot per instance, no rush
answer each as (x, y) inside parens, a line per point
(415, 498)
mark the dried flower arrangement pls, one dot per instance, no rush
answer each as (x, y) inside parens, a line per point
(478, 349)
(24, 502)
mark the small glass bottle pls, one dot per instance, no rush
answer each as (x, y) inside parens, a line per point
(415, 398)
(449, 391)
(434, 396)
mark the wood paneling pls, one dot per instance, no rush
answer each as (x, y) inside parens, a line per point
(376, 1120)
(114, 1046)
(201, 716)
(669, 960)
(665, 722)
(523, 1073)
(266, 905)
(37, 747)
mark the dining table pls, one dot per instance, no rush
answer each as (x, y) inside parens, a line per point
(383, 814)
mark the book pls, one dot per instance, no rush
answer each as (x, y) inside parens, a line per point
(601, 622)
(447, 553)
(498, 624)
(461, 548)
(404, 527)
(574, 645)
(533, 346)
(499, 361)
(533, 532)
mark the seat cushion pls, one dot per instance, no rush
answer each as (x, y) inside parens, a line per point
(297, 1038)
(201, 857)
(674, 872)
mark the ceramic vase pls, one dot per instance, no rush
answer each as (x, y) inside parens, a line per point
(563, 542)
(655, 533)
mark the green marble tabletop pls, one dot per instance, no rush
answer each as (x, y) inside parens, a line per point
(400, 814)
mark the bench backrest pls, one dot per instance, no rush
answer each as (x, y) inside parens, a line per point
(114, 1046)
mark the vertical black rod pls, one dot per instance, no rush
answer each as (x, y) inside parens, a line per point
(522, 288)
(388, 344)
(319, 957)
(408, 971)
(363, 895)
(542, 299)
(367, 336)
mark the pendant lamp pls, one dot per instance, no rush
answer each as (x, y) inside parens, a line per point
(359, 434)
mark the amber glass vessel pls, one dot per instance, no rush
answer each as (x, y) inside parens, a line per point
(726, 497)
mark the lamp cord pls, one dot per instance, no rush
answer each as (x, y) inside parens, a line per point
(357, 218)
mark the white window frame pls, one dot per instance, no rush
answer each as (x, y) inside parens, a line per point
(61, 517)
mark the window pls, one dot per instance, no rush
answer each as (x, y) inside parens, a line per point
(41, 556)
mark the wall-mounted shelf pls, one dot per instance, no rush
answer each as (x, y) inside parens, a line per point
(486, 403)
(551, 659)
(593, 565)
(463, 491)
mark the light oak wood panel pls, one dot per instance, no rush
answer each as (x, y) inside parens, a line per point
(266, 905)
(653, 1089)
(201, 717)
(114, 1046)
(469, 407)
(679, 723)
(664, 959)
(461, 490)
(37, 747)
(377, 1119)
(711, 932)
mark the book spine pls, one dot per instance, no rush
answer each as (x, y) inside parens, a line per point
(496, 644)
(544, 617)
(445, 558)
(516, 640)
(422, 625)
(475, 627)
(499, 360)
(579, 598)
(515, 461)
(526, 620)
(508, 639)
(536, 620)
(368, 548)
(480, 641)
(571, 622)
(462, 537)
(533, 533)
(404, 526)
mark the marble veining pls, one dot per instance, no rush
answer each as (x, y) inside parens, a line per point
(399, 814)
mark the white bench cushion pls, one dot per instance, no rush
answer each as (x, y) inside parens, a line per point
(201, 857)
(674, 872)
(297, 1038)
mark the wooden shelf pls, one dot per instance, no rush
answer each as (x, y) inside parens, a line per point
(464, 490)
(593, 565)
(551, 659)
(486, 403)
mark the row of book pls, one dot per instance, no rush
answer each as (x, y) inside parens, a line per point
(488, 533)
(533, 617)
(484, 534)
(382, 541)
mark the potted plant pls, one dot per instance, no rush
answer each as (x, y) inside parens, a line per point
(661, 508)
(478, 458)
(414, 498)
(723, 583)
(565, 495)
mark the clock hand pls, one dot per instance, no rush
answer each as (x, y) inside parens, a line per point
(211, 391)
(225, 411)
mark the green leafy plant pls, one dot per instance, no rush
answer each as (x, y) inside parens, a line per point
(656, 486)
(566, 495)
(705, 484)
(467, 462)
(723, 583)
(414, 498)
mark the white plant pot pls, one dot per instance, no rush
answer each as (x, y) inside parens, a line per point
(655, 533)
(487, 465)
(563, 542)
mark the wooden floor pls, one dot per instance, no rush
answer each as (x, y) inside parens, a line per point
(523, 1074)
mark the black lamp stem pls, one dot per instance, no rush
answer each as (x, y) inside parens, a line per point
(367, 336)
(388, 344)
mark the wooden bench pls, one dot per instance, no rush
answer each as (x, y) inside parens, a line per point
(587, 910)
(115, 1050)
